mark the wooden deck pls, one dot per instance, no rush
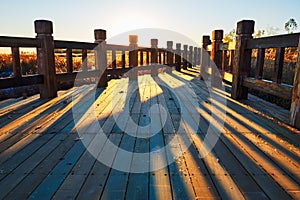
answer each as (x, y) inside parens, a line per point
(43, 157)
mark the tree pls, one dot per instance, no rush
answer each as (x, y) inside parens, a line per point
(259, 33)
(291, 25)
(229, 37)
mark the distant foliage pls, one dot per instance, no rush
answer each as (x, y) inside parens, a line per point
(291, 25)
(230, 37)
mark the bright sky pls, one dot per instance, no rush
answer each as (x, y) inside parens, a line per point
(76, 19)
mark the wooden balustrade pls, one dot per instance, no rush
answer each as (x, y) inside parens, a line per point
(232, 59)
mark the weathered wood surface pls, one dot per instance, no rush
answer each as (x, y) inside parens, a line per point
(42, 156)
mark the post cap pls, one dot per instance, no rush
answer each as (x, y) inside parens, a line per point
(206, 40)
(100, 34)
(133, 39)
(217, 35)
(43, 27)
(154, 43)
(191, 48)
(169, 44)
(245, 27)
(185, 47)
(178, 45)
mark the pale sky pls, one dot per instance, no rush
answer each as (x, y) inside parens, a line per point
(76, 19)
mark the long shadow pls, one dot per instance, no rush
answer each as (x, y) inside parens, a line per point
(48, 137)
(232, 129)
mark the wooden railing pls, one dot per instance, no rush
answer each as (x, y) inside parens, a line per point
(236, 68)
(50, 82)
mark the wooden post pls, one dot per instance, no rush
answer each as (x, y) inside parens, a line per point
(198, 56)
(204, 60)
(195, 56)
(133, 57)
(190, 63)
(141, 57)
(260, 63)
(69, 60)
(123, 59)
(147, 57)
(295, 106)
(16, 62)
(113, 59)
(101, 56)
(154, 43)
(216, 54)
(155, 57)
(185, 52)
(278, 65)
(84, 60)
(45, 56)
(170, 56)
(242, 59)
(178, 57)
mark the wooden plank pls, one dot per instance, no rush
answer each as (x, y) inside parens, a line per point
(295, 105)
(159, 183)
(96, 180)
(278, 41)
(219, 173)
(50, 163)
(61, 44)
(260, 167)
(24, 81)
(260, 63)
(278, 65)
(280, 90)
(115, 187)
(6, 41)
(55, 187)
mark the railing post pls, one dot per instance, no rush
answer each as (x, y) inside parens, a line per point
(133, 57)
(147, 57)
(295, 106)
(123, 59)
(141, 57)
(198, 55)
(69, 57)
(195, 56)
(16, 62)
(190, 63)
(260, 63)
(154, 43)
(154, 56)
(204, 59)
(242, 59)
(113, 59)
(170, 56)
(45, 56)
(278, 65)
(84, 60)
(101, 56)
(185, 52)
(216, 54)
(178, 57)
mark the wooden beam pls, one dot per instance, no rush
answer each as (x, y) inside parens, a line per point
(18, 42)
(269, 87)
(287, 40)
(16, 62)
(45, 55)
(242, 59)
(278, 65)
(61, 44)
(260, 63)
(24, 81)
(295, 106)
